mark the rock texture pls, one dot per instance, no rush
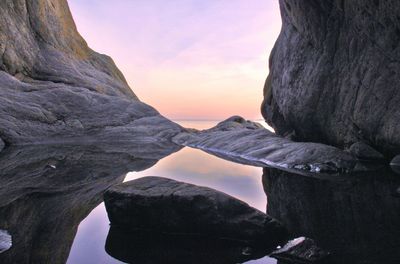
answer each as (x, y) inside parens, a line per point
(46, 191)
(54, 88)
(356, 218)
(249, 143)
(334, 73)
(167, 206)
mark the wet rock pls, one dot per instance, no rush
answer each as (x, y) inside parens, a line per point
(336, 83)
(5, 241)
(365, 152)
(55, 89)
(1, 145)
(301, 250)
(249, 143)
(148, 248)
(167, 206)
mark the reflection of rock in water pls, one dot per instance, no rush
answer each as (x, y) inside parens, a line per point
(47, 191)
(154, 248)
(356, 219)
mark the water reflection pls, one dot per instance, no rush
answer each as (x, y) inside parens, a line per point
(189, 165)
(46, 191)
(356, 218)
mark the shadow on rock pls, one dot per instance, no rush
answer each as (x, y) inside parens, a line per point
(356, 219)
(48, 190)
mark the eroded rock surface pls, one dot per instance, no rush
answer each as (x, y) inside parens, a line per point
(167, 206)
(334, 73)
(249, 143)
(55, 89)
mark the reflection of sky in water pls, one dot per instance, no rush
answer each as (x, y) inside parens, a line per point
(188, 165)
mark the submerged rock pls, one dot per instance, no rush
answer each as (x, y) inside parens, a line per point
(334, 73)
(249, 143)
(5, 241)
(55, 89)
(301, 250)
(167, 206)
(148, 248)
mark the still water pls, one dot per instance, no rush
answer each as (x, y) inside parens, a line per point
(187, 165)
(51, 202)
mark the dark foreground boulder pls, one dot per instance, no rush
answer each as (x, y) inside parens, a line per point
(149, 248)
(167, 206)
(249, 143)
(301, 250)
(334, 73)
(55, 89)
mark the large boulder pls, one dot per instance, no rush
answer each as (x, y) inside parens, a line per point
(54, 88)
(167, 206)
(334, 73)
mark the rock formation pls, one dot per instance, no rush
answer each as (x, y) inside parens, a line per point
(171, 207)
(334, 73)
(249, 143)
(54, 88)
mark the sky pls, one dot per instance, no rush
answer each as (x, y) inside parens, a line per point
(190, 59)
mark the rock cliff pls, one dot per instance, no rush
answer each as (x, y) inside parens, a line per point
(54, 88)
(334, 73)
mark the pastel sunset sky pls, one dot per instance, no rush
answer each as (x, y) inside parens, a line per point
(190, 59)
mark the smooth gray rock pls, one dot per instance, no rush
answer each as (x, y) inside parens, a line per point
(5, 241)
(167, 206)
(334, 73)
(249, 143)
(365, 152)
(55, 89)
(301, 250)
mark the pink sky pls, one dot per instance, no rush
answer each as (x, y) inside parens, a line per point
(190, 59)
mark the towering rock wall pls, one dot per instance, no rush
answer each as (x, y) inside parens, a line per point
(335, 72)
(54, 88)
